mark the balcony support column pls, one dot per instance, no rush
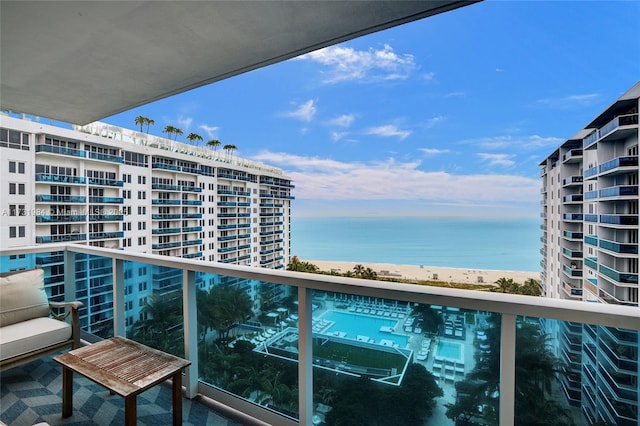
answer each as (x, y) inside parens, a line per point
(69, 275)
(507, 369)
(119, 328)
(190, 315)
(305, 355)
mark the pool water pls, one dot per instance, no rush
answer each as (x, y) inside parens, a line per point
(449, 350)
(360, 325)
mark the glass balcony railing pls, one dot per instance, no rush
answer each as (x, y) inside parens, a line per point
(164, 231)
(572, 198)
(191, 188)
(622, 248)
(591, 195)
(572, 216)
(165, 187)
(165, 166)
(105, 182)
(48, 198)
(106, 235)
(591, 262)
(191, 202)
(192, 229)
(44, 177)
(105, 217)
(619, 219)
(572, 235)
(590, 140)
(618, 191)
(162, 201)
(298, 348)
(191, 242)
(572, 154)
(617, 163)
(622, 120)
(106, 200)
(573, 180)
(60, 150)
(60, 238)
(105, 157)
(60, 218)
(591, 217)
(620, 277)
(590, 172)
(166, 216)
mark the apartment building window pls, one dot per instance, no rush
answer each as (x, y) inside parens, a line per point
(14, 139)
(126, 194)
(142, 195)
(16, 167)
(142, 226)
(17, 231)
(17, 210)
(142, 286)
(126, 178)
(142, 180)
(16, 188)
(142, 209)
(142, 241)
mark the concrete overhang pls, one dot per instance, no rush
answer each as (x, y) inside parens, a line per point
(81, 61)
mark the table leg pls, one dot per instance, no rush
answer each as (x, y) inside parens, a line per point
(67, 392)
(130, 410)
(177, 398)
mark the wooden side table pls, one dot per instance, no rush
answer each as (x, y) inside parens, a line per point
(126, 368)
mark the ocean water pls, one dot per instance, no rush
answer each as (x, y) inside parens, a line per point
(500, 244)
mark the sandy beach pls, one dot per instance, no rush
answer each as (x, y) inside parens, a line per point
(434, 273)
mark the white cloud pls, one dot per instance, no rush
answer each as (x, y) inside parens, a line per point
(434, 151)
(346, 63)
(326, 179)
(304, 112)
(211, 131)
(570, 101)
(345, 120)
(336, 136)
(434, 121)
(185, 122)
(504, 160)
(388, 130)
(520, 143)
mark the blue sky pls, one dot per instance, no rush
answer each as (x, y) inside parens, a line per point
(449, 115)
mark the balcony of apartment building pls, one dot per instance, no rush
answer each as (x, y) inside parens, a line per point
(619, 127)
(286, 343)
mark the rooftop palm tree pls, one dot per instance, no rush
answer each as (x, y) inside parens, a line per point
(214, 143)
(169, 130)
(192, 137)
(229, 148)
(177, 132)
(140, 121)
(149, 122)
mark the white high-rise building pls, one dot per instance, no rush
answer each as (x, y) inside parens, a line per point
(590, 253)
(111, 187)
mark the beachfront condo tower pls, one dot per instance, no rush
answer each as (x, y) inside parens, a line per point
(590, 254)
(110, 187)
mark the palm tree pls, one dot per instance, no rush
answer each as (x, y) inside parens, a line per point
(214, 143)
(369, 274)
(229, 148)
(140, 120)
(192, 137)
(169, 130)
(531, 287)
(507, 285)
(148, 122)
(358, 270)
(177, 132)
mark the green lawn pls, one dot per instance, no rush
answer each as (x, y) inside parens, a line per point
(356, 355)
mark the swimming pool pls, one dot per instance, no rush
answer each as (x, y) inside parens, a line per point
(360, 325)
(449, 350)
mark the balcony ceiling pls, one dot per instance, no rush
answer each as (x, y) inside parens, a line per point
(81, 61)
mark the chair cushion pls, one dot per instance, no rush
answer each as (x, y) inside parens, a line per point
(22, 297)
(31, 335)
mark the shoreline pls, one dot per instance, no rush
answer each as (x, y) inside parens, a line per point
(428, 273)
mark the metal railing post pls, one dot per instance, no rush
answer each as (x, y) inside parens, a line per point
(190, 315)
(507, 369)
(119, 328)
(305, 355)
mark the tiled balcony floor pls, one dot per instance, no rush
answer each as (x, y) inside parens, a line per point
(32, 393)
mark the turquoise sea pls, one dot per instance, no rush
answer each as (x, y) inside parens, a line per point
(501, 244)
